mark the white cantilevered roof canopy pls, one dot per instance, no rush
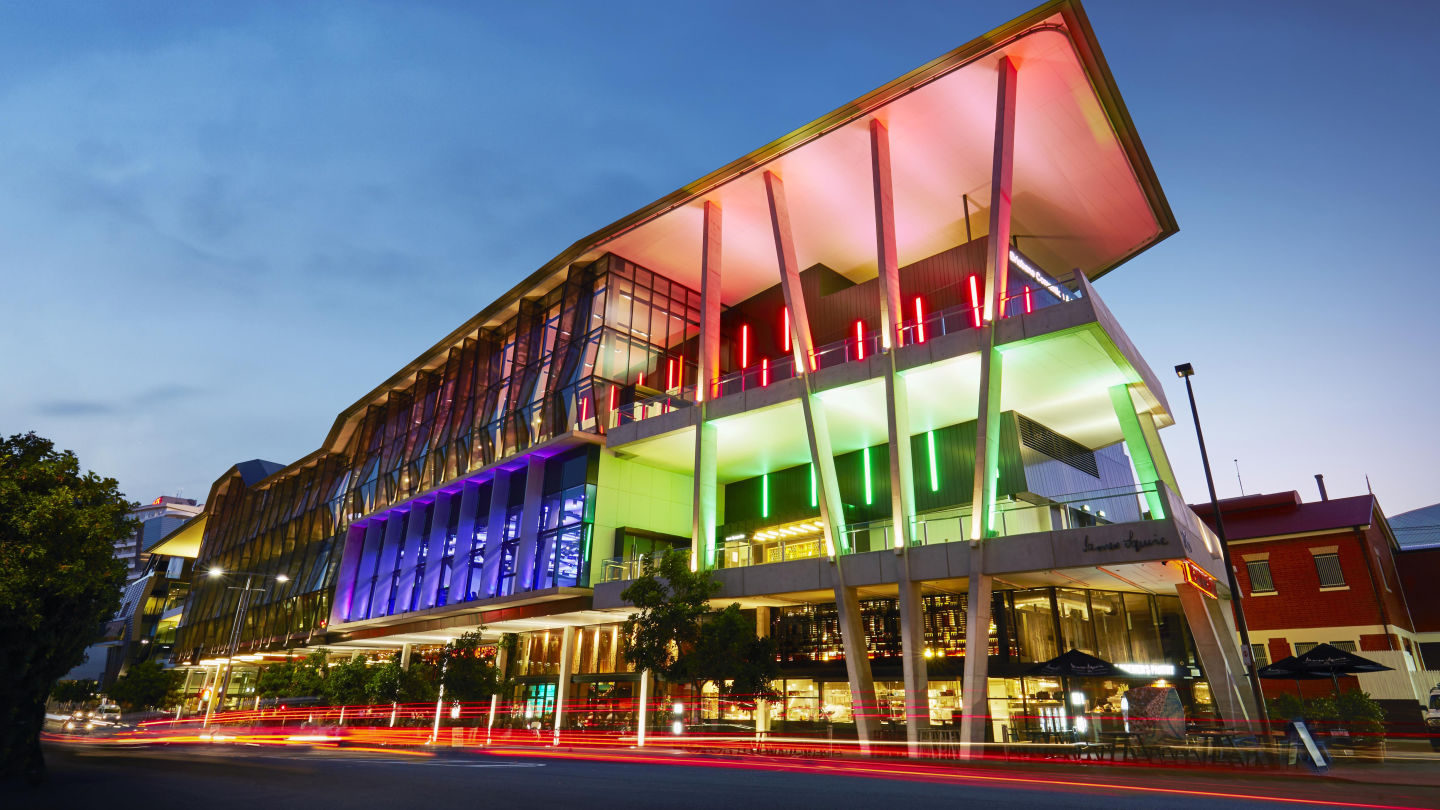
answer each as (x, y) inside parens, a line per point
(1084, 193)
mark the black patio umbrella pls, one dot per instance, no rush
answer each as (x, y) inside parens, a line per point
(1075, 664)
(1320, 662)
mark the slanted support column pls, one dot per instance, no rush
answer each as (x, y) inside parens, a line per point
(702, 538)
(857, 659)
(902, 477)
(709, 354)
(494, 534)
(385, 565)
(892, 309)
(762, 707)
(562, 685)
(832, 516)
(1157, 451)
(997, 271)
(1002, 174)
(975, 691)
(1140, 455)
(816, 426)
(1214, 632)
(405, 656)
(527, 556)
(912, 650)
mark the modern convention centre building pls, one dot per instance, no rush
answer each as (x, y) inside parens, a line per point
(863, 374)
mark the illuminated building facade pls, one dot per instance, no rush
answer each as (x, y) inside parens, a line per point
(861, 374)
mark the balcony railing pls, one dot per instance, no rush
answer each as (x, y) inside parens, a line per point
(622, 569)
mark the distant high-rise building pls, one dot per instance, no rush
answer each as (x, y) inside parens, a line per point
(158, 518)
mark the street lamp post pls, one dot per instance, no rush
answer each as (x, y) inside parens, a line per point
(1185, 371)
(242, 606)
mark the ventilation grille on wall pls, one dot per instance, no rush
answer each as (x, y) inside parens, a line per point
(1068, 451)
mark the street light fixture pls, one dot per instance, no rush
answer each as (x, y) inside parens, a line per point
(1185, 371)
(242, 606)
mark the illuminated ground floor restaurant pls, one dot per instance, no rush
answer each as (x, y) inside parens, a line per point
(1143, 634)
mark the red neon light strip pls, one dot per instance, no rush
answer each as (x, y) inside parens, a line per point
(859, 340)
(785, 329)
(919, 320)
(975, 301)
(744, 345)
(669, 374)
(1028, 308)
(610, 403)
(764, 372)
(584, 409)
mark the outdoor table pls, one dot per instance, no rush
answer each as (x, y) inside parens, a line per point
(1217, 741)
(1120, 741)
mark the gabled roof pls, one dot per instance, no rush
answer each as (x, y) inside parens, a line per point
(1283, 513)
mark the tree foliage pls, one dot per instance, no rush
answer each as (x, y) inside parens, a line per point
(72, 692)
(391, 683)
(59, 582)
(294, 677)
(346, 682)
(145, 684)
(1353, 709)
(669, 599)
(675, 634)
(468, 671)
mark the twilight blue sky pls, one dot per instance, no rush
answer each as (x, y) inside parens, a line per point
(222, 223)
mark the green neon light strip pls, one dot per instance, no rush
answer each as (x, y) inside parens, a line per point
(865, 459)
(814, 495)
(765, 495)
(934, 470)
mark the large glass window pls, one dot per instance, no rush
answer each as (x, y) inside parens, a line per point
(1111, 634)
(1035, 625)
(1076, 629)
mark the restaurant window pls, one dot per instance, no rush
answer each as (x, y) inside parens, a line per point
(1076, 630)
(1111, 636)
(1144, 630)
(1260, 579)
(1328, 566)
(1034, 625)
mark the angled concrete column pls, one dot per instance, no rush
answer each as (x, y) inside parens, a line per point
(863, 705)
(902, 476)
(385, 567)
(527, 556)
(709, 354)
(1214, 632)
(1157, 451)
(405, 656)
(1145, 469)
(1002, 175)
(975, 689)
(466, 542)
(445, 503)
(702, 538)
(912, 651)
(997, 271)
(832, 515)
(762, 707)
(562, 686)
(495, 533)
(892, 309)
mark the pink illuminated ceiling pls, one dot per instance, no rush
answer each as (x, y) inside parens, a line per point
(1078, 199)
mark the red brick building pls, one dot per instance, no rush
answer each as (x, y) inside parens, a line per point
(1324, 572)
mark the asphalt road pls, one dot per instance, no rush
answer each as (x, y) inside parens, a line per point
(250, 778)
